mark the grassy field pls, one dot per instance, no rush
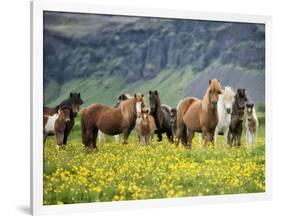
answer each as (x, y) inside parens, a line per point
(161, 170)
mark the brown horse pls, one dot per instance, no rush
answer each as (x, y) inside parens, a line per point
(110, 120)
(55, 124)
(195, 115)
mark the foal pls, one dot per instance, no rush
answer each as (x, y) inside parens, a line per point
(145, 126)
(55, 124)
(251, 124)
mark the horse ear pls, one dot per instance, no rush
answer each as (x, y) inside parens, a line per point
(150, 92)
(156, 92)
(135, 95)
(142, 95)
(79, 94)
(210, 82)
(71, 94)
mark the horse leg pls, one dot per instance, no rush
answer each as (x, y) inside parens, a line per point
(254, 137)
(210, 136)
(226, 136)
(204, 136)
(181, 134)
(94, 139)
(67, 130)
(59, 138)
(229, 138)
(189, 137)
(126, 135)
(159, 135)
(247, 136)
(170, 136)
(146, 139)
(116, 138)
(216, 135)
(239, 138)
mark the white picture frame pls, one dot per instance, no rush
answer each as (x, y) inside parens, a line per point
(37, 8)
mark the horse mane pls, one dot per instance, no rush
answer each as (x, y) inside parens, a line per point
(206, 101)
(228, 92)
(127, 109)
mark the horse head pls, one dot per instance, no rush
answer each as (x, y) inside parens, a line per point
(144, 114)
(250, 109)
(139, 103)
(154, 100)
(241, 98)
(214, 91)
(227, 98)
(65, 113)
(75, 102)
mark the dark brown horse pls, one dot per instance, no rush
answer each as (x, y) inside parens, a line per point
(74, 101)
(195, 115)
(162, 115)
(237, 117)
(110, 120)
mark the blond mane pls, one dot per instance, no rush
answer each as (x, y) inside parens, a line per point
(128, 109)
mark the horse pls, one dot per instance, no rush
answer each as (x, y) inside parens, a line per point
(55, 124)
(225, 103)
(162, 116)
(145, 126)
(237, 117)
(251, 123)
(195, 115)
(120, 98)
(110, 120)
(74, 101)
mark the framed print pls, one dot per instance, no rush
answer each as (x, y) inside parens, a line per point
(139, 107)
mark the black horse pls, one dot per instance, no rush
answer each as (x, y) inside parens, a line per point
(237, 116)
(74, 101)
(162, 115)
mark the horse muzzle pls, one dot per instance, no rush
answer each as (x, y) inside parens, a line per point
(214, 103)
(228, 110)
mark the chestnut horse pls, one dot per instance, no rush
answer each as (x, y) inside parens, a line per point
(110, 120)
(195, 115)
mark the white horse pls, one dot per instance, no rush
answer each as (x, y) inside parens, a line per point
(251, 124)
(225, 103)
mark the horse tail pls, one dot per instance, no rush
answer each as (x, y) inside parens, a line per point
(83, 126)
